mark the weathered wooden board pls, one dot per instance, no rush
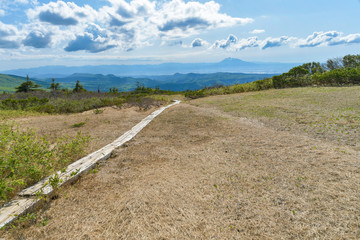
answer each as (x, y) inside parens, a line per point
(14, 209)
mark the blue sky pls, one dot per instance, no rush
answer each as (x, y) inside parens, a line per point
(42, 32)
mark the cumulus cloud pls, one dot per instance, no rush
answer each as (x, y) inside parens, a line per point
(275, 42)
(257, 31)
(8, 36)
(179, 18)
(62, 13)
(93, 40)
(330, 38)
(198, 42)
(37, 39)
(232, 43)
(349, 39)
(56, 19)
(124, 24)
(318, 38)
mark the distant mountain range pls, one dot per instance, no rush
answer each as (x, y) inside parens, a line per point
(230, 65)
(176, 82)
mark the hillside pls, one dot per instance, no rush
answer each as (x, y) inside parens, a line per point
(8, 83)
(276, 164)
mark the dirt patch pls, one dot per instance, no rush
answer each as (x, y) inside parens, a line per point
(195, 173)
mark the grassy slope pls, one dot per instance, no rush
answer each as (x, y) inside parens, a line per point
(8, 83)
(329, 112)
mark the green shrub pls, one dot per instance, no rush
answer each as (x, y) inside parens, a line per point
(25, 158)
(77, 125)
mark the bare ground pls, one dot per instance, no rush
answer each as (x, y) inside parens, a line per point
(199, 173)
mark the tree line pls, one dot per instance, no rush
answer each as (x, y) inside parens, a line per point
(335, 72)
(29, 86)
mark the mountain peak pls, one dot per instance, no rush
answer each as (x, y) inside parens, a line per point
(230, 59)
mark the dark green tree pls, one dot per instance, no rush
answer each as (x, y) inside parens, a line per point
(27, 86)
(113, 90)
(54, 86)
(313, 67)
(297, 71)
(351, 61)
(78, 87)
(334, 63)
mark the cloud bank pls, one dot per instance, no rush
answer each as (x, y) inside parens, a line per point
(122, 24)
(316, 39)
(131, 24)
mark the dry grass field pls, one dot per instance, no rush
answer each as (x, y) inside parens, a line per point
(244, 166)
(103, 128)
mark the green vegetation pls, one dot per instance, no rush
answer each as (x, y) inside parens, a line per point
(78, 87)
(26, 158)
(27, 86)
(54, 85)
(238, 88)
(336, 72)
(65, 101)
(77, 125)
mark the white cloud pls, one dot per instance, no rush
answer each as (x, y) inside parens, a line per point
(94, 39)
(130, 24)
(9, 36)
(62, 14)
(232, 43)
(2, 12)
(257, 31)
(318, 39)
(329, 38)
(177, 18)
(198, 42)
(275, 42)
(349, 39)
(37, 39)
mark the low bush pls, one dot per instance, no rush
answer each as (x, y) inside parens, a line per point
(238, 88)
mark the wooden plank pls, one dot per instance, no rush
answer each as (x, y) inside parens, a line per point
(12, 210)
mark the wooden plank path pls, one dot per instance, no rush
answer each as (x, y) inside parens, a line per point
(28, 200)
